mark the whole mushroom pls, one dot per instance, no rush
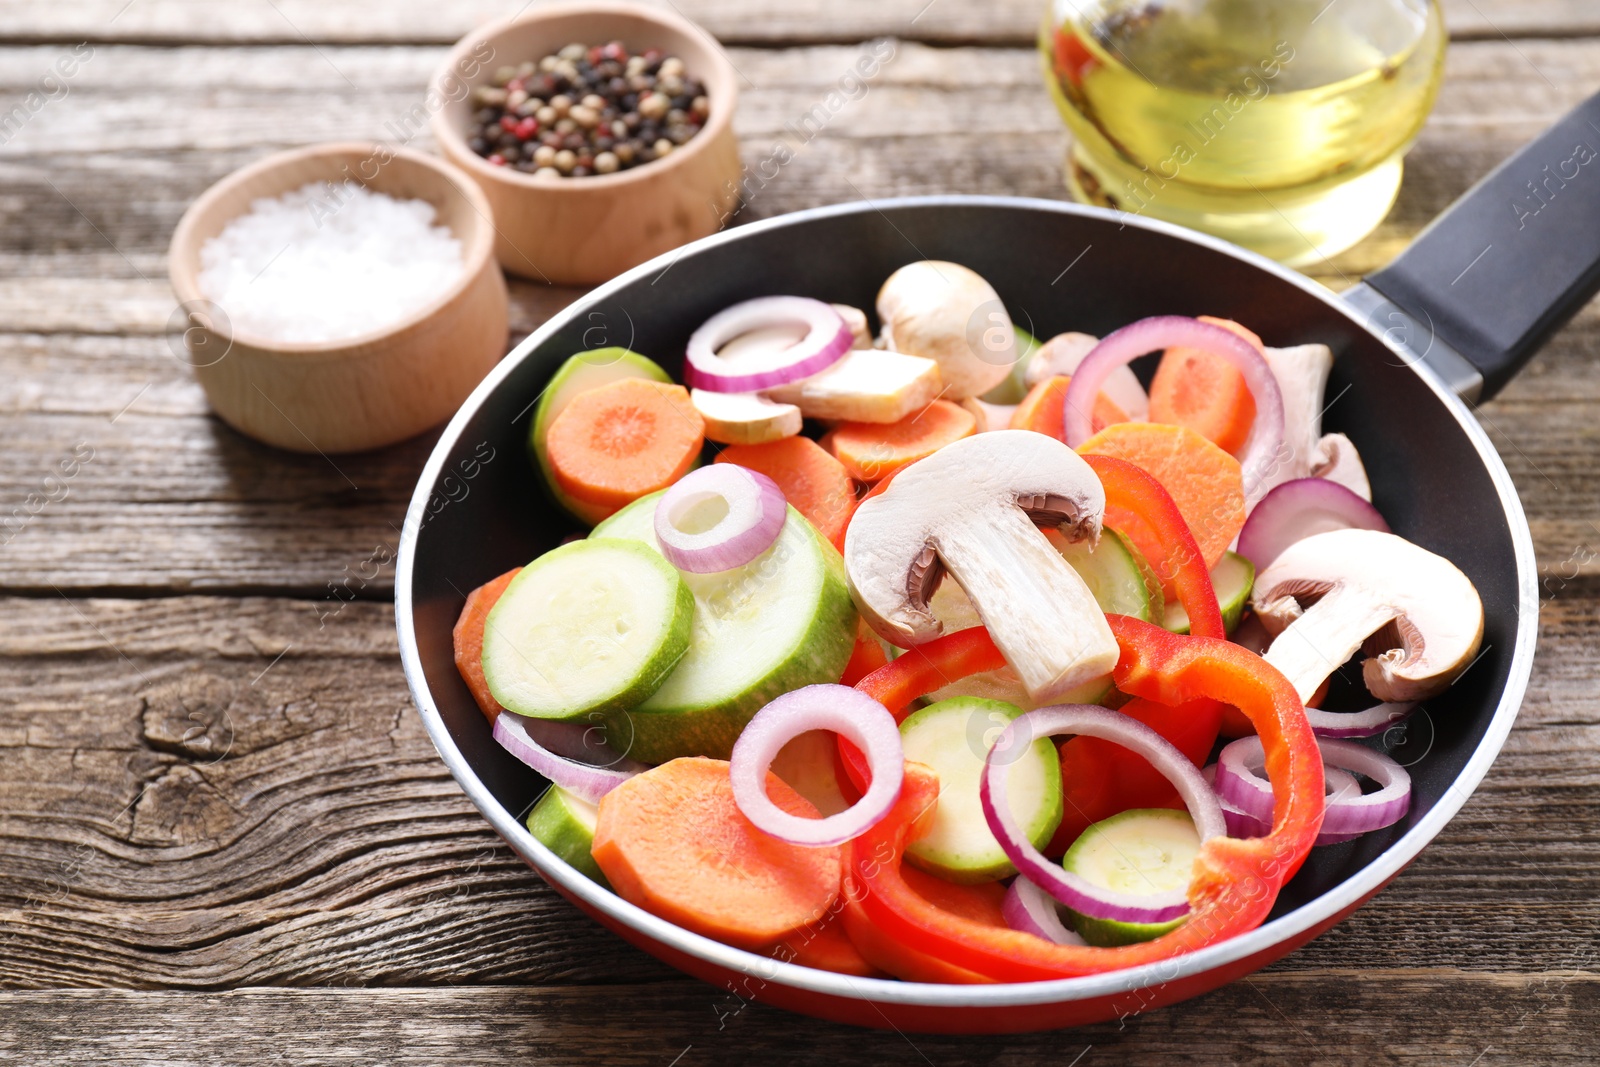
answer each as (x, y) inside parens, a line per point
(974, 509)
(947, 313)
(1418, 617)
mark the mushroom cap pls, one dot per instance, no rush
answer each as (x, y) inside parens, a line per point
(947, 313)
(1419, 619)
(1337, 460)
(892, 545)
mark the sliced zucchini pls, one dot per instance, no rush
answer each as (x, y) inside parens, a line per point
(592, 626)
(565, 824)
(954, 737)
(1146, 850)
(1233, 577)
(783, 620)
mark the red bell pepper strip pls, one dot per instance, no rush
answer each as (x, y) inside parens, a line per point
(1235, 880)
(921, 670)
(1135, 499)
(1100, 778)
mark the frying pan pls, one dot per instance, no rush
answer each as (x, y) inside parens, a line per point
(1448, 322)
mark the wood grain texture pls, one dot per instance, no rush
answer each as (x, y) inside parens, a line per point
(203, 793)
(200, 793)
(1487, 1020)
(733, 21)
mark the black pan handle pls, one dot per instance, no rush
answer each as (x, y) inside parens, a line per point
(1512, 260)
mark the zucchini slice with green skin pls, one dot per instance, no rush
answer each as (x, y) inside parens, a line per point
(592, 626)
(1233, 577)
(782, 621)
(953, 737)
(1117, 576)
(1014, 386)
(565, 824)
(580, 373)
(1145, 850)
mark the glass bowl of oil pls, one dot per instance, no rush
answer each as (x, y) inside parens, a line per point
(1279, 125)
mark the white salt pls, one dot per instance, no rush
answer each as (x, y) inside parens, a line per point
(327, 262)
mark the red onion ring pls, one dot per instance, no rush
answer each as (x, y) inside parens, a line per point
(1029, 909)
(847, 712)
(1369, 723)
(1339, 784)
(590, 781)
(827, 338)
(1297, 509)
(1240, 783)
(1068, 888)
(754, 516)
(1121, 347)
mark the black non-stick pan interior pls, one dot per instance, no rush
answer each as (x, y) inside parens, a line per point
(1056, 270)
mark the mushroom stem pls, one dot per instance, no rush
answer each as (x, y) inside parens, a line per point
(1322, 639)
(1062, 640)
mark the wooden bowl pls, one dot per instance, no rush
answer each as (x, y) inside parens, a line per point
(582, 231)
(370, 390)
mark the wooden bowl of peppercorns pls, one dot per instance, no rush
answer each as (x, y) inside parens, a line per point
(601, 134)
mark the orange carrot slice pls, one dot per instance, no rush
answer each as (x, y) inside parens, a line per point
(827, 947)
(615, 443)
(672, 841)
(1041, 410)
(1204, 481)
(815, 483)
(1205, 392)
(872, 450)
(468, 637)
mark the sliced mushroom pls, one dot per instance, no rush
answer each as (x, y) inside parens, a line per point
(1337, 460)
(744, 418)
(1302, 374)
(1417, 616)
(856, 319)
(989, 416)
(973, 509)
(865, 385)
(947, 313)
(1062, 354)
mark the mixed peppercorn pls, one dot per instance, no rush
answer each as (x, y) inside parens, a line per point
(586, 111)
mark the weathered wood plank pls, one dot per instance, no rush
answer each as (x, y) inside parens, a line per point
(203, 792)
(733, 21)
(1269, 1019)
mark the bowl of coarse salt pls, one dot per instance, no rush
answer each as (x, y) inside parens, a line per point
(339, 297)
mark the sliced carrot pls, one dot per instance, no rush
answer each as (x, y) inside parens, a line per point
(672, 841)
(1041, 410)
(826, 946)
(468, 637)
(813, 481)
(615, 443)
(872, 450)
(1204, 481)
(1205, 392)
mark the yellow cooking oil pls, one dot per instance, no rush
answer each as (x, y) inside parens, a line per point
(1279, 125)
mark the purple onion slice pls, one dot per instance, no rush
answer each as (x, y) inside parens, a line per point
(1063, 885)
(823, 337)
(1121, 347)
(719, 517)
(847, 712)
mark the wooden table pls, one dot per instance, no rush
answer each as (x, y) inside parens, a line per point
(224, 835)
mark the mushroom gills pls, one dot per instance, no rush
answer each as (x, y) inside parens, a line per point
(1417, 615)
(969, 503)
